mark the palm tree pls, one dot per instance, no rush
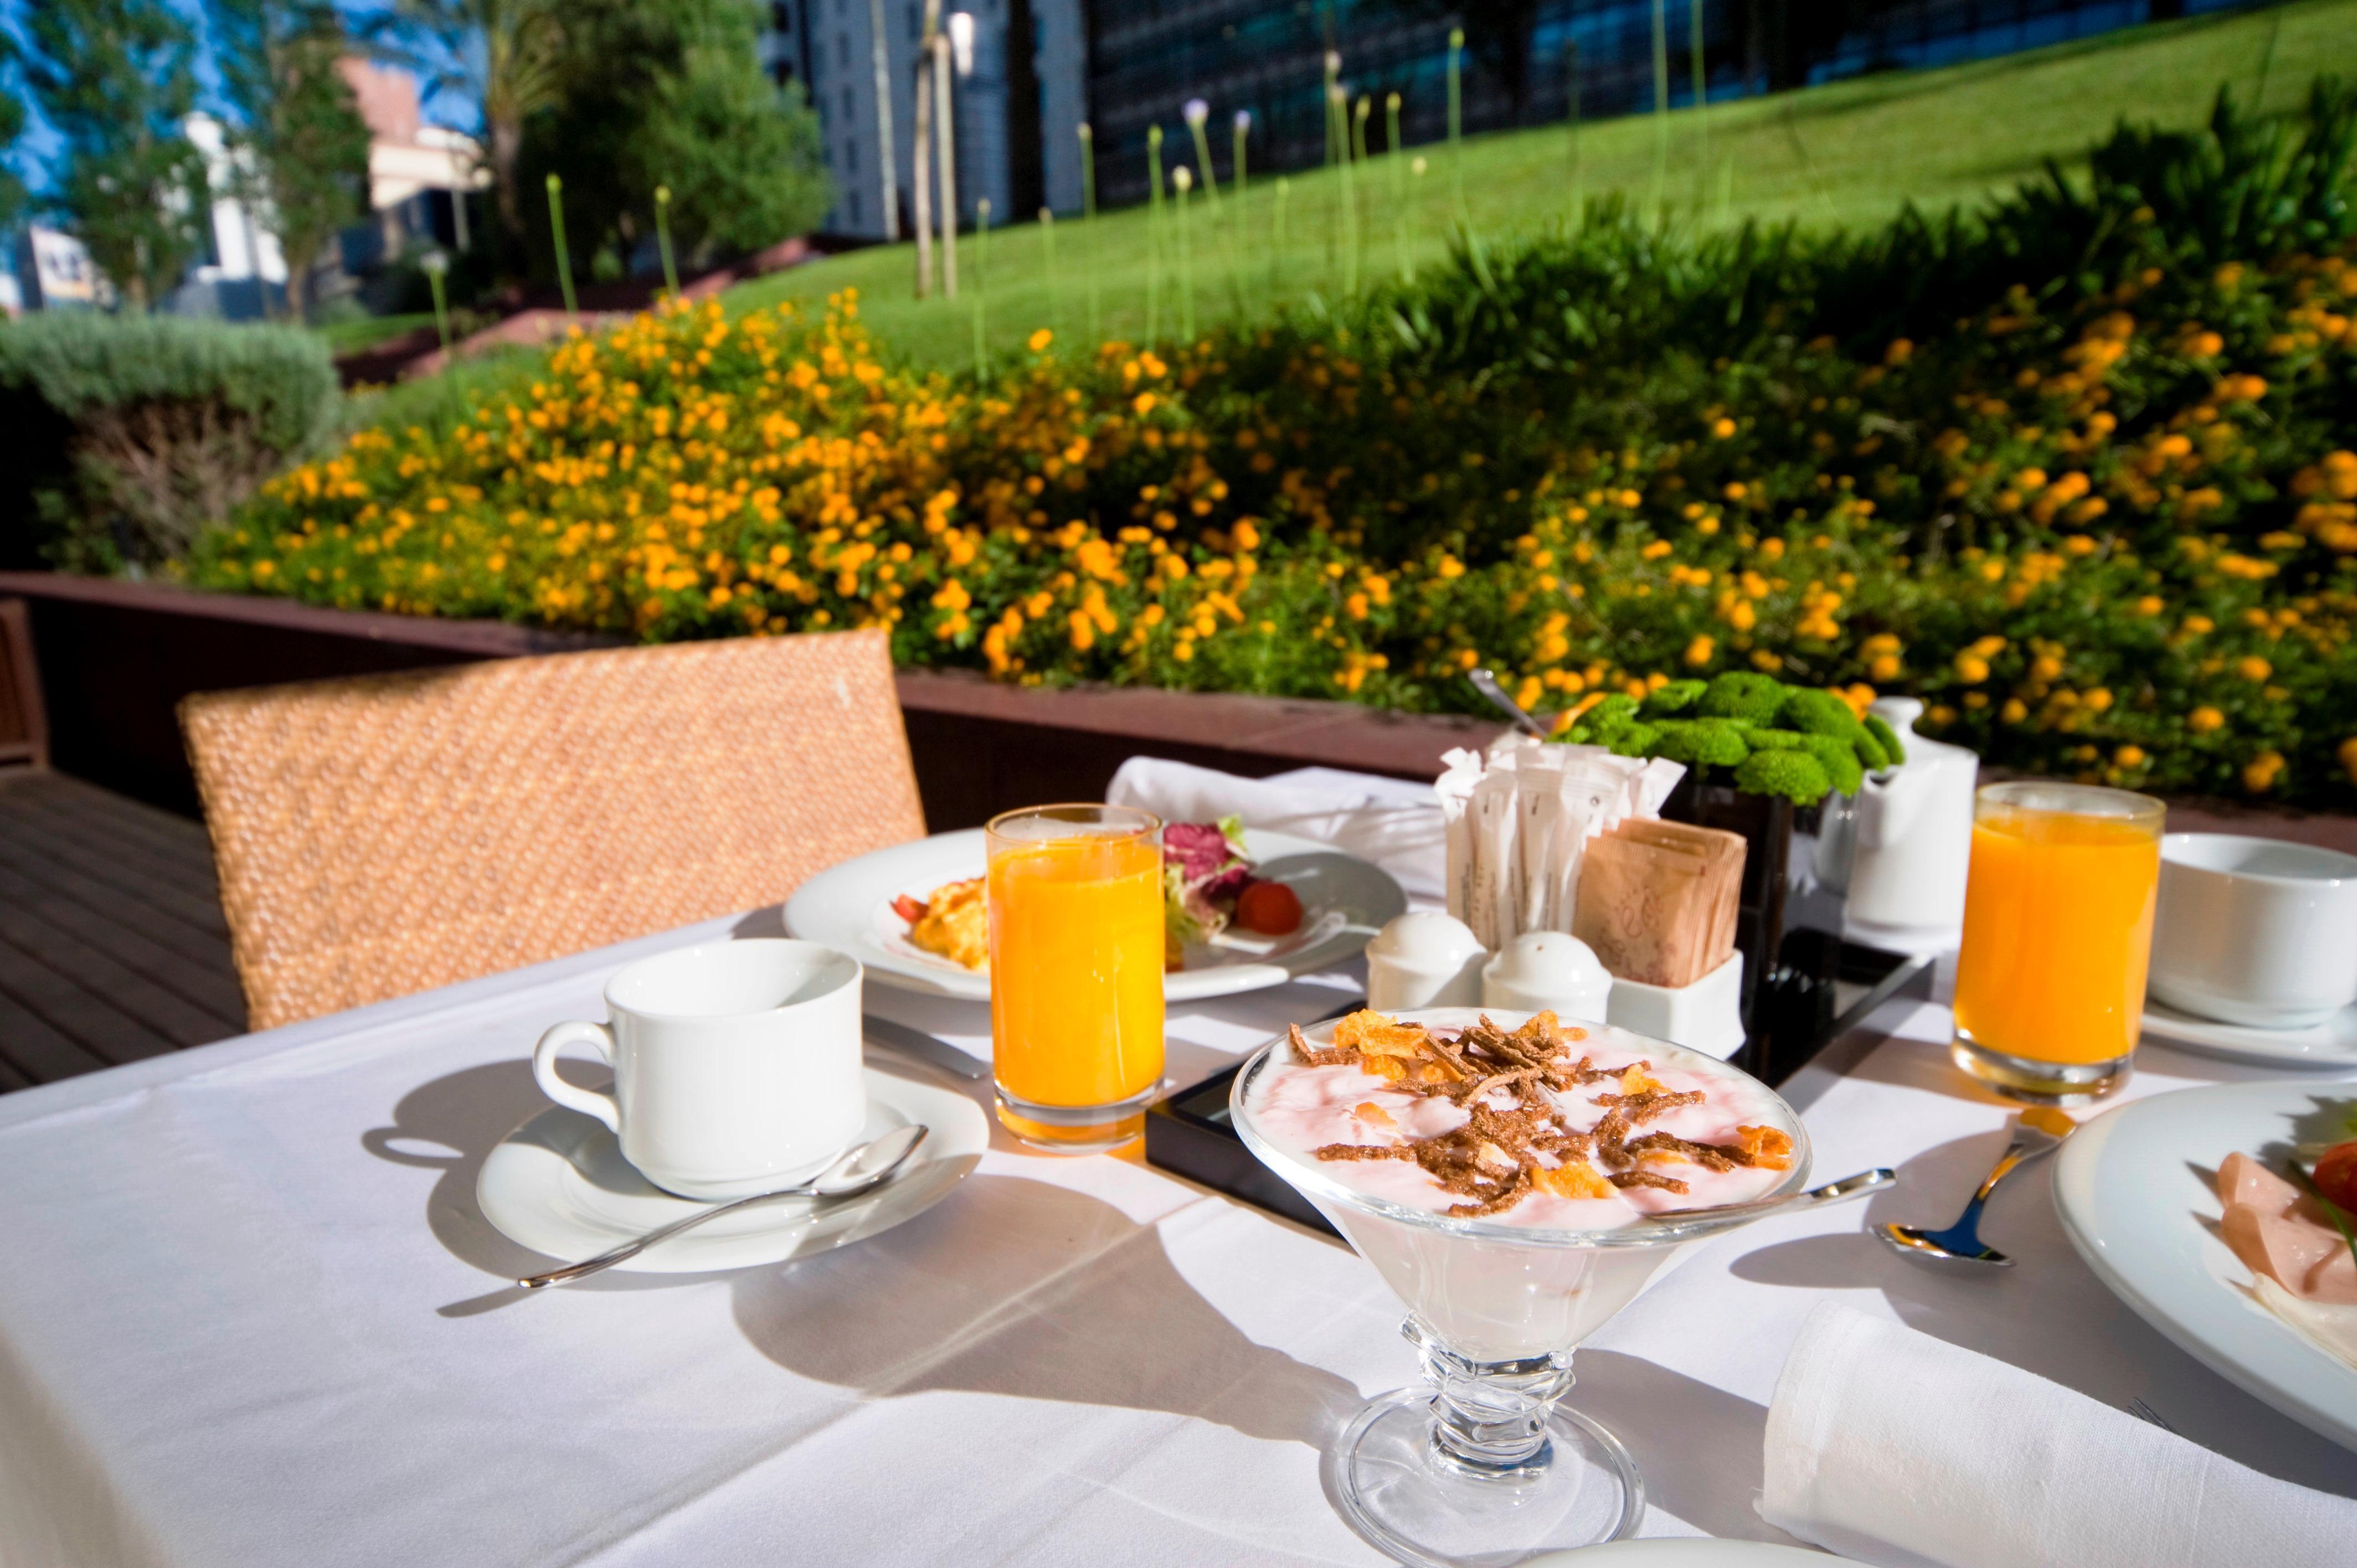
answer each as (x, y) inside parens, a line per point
(507, 56)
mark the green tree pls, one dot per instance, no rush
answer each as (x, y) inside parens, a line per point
(743, 158)
(303, 149)
(12, 125)
(509, 56)
(670, 92)
(115, 79)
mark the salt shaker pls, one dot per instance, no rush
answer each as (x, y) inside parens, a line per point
(1539, 971)
(1424, 959)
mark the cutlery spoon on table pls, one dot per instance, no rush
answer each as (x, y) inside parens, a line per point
(2037, 1130)
(854, 1171)
(1832, 1192)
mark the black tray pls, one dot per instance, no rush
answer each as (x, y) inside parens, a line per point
(1824, 989)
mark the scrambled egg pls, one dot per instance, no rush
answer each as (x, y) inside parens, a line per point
(955, 923)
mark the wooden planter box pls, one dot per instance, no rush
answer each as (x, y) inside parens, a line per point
(116, 658)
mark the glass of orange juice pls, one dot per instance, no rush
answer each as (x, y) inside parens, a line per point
(2057, 929)
(1076, 972)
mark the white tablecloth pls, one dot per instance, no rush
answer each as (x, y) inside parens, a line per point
(248, 1315)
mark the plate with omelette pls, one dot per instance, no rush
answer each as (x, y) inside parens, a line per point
(1242, 909)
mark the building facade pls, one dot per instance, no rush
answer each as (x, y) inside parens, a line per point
(1018, 96)
(1037, 70)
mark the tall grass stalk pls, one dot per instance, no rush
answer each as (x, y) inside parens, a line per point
(556, 230)
(1055, 277)
(1661, 110)
(1359, 156)
(1154, 233)
(981, 283)
(1457, 116)
(1398, 168)
(1333, 75)
(1090, 260)
(1349, 190)
(1183, 179)
(1701, 73)
(1239, 242)
(1571, 119)
(1199, 115)
(433, 266)
(1276, 231)
(1337, 158)
(663, 239)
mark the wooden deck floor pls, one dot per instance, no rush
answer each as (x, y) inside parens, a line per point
(112, 941)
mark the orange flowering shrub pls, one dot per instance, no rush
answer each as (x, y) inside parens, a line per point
(2104, 519)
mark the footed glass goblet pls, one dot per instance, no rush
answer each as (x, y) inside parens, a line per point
(1484, 1463)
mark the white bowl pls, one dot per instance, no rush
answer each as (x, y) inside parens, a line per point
(2254, 931)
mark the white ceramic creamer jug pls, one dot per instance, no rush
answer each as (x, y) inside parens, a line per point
(1914, 843)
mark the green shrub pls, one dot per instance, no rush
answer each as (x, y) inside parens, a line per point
(2098, 508)
(150, 427)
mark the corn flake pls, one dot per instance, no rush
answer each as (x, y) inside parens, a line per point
(1575, 1179)
(1372, 1034)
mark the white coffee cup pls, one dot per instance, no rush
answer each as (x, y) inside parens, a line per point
(2254, 931)
(736, 1064)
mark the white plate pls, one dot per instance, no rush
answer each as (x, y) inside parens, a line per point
(2329, 1046)
(1344, 901)
(559, 1185)
(2135, 1189)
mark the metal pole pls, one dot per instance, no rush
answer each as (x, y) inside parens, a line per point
(885, 172)
(946, 154)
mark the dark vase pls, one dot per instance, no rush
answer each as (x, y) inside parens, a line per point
(1788, 975)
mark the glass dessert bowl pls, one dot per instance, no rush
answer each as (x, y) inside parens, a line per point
(1515, 1181)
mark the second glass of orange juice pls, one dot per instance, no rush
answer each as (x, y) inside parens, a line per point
(2058, 931)
(1076, 972)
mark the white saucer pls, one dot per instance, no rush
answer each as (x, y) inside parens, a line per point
(559, 1185)
(2329, 1046)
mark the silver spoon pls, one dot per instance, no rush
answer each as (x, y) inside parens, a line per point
(854, 1171)
(1832, 1192)
(1487, 684)
(2037, 1130)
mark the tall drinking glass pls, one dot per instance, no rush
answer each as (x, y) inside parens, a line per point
(2058, 932)
(1076, 972)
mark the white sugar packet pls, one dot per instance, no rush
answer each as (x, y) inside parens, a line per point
(1518, 821)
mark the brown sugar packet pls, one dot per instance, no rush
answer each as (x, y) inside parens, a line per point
(1656, 900)
(1638, 907)
(1725, 881)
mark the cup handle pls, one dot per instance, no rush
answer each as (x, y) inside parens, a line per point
(588, 1101)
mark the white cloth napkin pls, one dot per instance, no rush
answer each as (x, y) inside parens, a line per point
(1895, 1448)
(1393, 824)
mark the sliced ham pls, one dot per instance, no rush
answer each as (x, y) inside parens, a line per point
(2242, 1179)
(2276, 1232)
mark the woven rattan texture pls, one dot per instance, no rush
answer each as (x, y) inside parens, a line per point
(388, 834)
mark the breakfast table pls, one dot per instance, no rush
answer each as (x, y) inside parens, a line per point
(251, 1315)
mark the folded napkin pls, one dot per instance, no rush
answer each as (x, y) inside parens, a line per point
(1393, 824)
(1895, 1448)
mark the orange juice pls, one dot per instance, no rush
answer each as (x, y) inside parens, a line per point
(2057, 929)
(1075, 972)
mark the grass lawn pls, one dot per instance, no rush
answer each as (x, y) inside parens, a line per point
(1847, 154)
(368, 331)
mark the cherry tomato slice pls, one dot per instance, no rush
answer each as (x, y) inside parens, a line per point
(1269, 907)
(2336, 1174)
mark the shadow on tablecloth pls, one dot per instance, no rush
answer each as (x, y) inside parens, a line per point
(2048, 1314)
(1024, 1288)
(450, 1124)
